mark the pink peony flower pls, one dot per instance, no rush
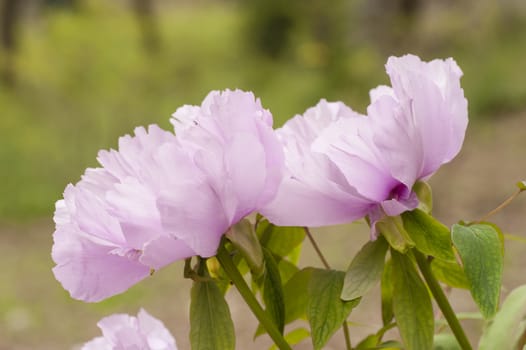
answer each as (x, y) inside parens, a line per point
(124, 332)
(410, 131)
(162, 197)
(231, 142)
(314, 191)
(108, 230)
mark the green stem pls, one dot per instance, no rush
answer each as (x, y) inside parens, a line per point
(500, 206)
(347, 335)
(237, 279)
(441, 299)
(317, 248)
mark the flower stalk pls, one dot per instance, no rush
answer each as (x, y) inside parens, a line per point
(500, 206)
(237, 279)
(442, 301)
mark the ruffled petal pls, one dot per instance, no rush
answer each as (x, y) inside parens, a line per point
(90, 271)
(123, 332)
(231, 142)
(434, 108)
(164, 250)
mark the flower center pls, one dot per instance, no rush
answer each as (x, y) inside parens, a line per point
(400, 191)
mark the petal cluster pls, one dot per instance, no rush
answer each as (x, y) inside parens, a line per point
(352, 165)
(239, 158)
(163, 197)
(314, 191)
(125, 332)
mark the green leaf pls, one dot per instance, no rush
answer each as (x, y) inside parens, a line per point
(499, 233)
(273, 292)
(411, 304)
(369, 342)
(431, 237)
(372, 340)
(286, 270)
(450, 273)
(424, 195)
(480, 249)
(294, 255)
(325, 310)
(387, 293)
(280, 240)
(365, 269)
(211, 325)
(294, 337)
(390, 345)
(392, 228)
(295, 297)
(508, 324)
(244, 238)
(445, 341)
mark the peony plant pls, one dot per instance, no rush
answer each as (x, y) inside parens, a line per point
(234, 199)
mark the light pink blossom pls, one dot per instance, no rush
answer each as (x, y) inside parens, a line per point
(163, 197)
(108, 230)
(314, 191)
(125, 332)
(231, 142)
(411, 129)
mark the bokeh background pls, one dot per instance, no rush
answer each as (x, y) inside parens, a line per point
(77, 74)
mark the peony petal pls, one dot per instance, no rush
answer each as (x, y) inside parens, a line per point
(158, 337)
(194, 215)
(164, 250)
(433, 101)
(125, 332)
(246, 174)
(88, 270)
(348, 144)
(298, 204)
(99, 343)
(315, 191)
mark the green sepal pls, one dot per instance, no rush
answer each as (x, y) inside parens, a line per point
(425, 196)
(243, 237)
(430, 236)
(392, 228)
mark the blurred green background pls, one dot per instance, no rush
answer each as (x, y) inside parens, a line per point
(75, 75)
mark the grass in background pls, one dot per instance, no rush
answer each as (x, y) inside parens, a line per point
(85, 80)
